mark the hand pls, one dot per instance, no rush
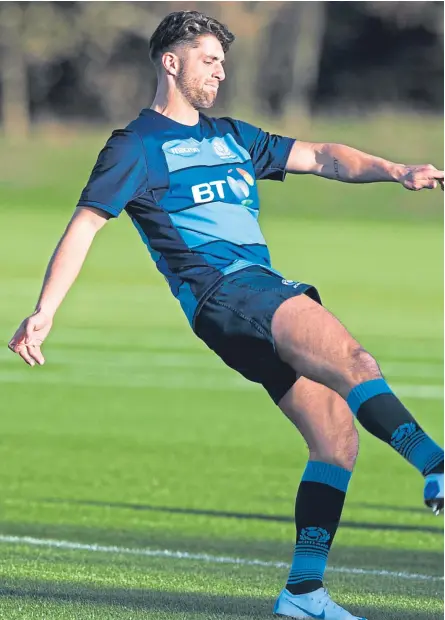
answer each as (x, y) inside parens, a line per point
(417, 177)
(29, 337)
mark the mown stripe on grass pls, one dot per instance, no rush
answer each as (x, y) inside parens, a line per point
(149, 360)
(200, 557)
(225, 514)
(149, 378)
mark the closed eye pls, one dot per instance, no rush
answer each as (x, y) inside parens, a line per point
(210, 60)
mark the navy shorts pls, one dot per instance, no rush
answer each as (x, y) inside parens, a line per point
(235, 322)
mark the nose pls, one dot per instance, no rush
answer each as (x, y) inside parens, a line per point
(219, 72)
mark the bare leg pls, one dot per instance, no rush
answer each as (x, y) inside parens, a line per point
(317, 346)
(311, 340)
(324, 420)
(327, 425)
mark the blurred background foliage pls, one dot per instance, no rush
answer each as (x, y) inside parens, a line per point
(89, 60)
(368, 74)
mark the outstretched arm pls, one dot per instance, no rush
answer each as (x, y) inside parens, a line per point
(344, 163)
(61, 273)
(119, 175)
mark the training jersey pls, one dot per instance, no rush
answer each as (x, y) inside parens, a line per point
(191, 193)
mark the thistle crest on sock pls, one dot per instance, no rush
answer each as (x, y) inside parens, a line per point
(315, 535)
(402, 434)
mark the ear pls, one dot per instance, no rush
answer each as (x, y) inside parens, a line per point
(170, 62)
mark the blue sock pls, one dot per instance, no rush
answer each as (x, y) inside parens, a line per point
(383, 415)
(318, 509)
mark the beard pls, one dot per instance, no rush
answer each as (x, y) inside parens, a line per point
(192, 90)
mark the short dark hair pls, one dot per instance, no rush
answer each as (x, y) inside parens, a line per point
(186, 27)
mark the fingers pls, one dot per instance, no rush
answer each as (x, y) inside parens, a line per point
(22, 350)
(425, 177)
(440, 179)
(29, 353)
(25, 355)
(415, 186)
(430, 175)
(434, 176)
(430, 184)
(26, 345)
(35, 353)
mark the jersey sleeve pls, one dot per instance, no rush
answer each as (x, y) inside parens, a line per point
(119, 175)
(269, 152)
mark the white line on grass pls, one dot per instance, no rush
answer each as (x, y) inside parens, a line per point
(200, 557)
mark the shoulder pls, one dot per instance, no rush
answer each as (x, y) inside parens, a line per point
(124, 139)
(244, 133)
(123, 147)
(147, 124)
(224, 124)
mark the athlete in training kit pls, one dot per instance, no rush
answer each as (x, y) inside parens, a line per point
(188, 182)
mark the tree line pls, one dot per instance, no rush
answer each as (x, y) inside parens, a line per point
(89, 60)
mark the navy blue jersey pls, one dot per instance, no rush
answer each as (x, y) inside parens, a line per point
(191, 193)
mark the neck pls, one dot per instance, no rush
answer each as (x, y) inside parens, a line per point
(173, 105)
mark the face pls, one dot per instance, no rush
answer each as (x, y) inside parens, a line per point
(200, 71)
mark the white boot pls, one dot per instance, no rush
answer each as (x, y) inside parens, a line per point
(316, 604)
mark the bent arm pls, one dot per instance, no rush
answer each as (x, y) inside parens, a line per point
(344, 163)
(341, 163)
(69, 256)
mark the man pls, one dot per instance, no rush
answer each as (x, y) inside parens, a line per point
(188, 182)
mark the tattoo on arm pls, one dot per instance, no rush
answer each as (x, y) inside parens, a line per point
(336, 170)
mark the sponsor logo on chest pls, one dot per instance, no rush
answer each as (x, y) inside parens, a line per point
(238, 180)
(186, 148)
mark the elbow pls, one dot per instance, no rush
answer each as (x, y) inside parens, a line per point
(91, 218)
(324, 158)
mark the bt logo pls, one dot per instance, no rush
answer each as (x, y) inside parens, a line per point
(207, 192)
(204, 192)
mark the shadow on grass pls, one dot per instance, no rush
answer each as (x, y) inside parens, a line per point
(210, 605)
(428, 562)
(396, 527)
(385, 508)
(147, 600)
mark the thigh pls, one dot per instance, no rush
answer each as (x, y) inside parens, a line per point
(314, 342)
(243, 341)
(235, 322)
(325, 421)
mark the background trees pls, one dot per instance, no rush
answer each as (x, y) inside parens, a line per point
(89, 60)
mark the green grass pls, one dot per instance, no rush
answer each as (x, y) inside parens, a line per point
(135, 435)
(70, 153)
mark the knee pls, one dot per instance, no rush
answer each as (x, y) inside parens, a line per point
(362, 366)
(340, 449)
(347, 451)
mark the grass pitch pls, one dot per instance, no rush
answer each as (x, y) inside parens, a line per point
(134, 460)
